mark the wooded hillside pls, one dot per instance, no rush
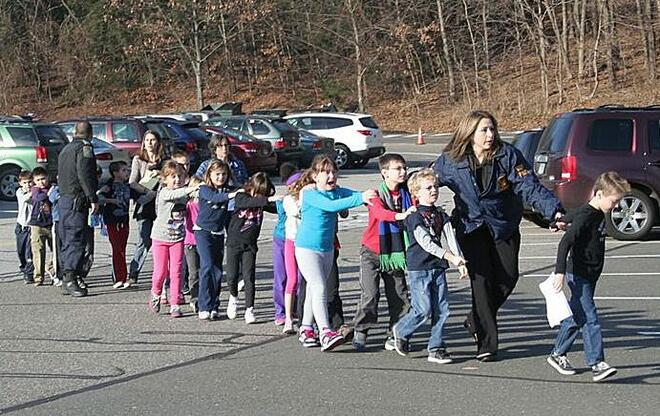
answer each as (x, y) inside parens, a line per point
(408, 62)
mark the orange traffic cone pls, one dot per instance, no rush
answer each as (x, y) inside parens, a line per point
(420, 137)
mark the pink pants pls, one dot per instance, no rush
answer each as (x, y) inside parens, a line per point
(168, 260)
(291, 266)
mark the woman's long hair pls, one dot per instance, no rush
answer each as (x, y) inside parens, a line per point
(158, 150)
(461, 142)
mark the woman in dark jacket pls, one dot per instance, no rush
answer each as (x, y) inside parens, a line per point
(490, 180)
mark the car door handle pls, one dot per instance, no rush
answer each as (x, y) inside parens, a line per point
(654, 163)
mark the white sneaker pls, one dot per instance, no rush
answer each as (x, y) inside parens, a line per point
(118, 285)
(241, 285)
(57, 282)
(232, 306)
(193, 307)
(249, 316)
(214, 315)
(126, 284)
(204, 315)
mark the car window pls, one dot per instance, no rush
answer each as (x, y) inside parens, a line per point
(336, 123)
(196, 133)
(22, 136)
(158, 128)
(555, 137)
(98, 131)
(67, 128)
(259, 127)
(293, 121)
(233, 123)
(611, 135)
(51, 135)
(125, 132)
(100, 145)
(368, 122)
(654, 134)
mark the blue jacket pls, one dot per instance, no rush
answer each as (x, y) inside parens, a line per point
(213, 213)
(500, 205)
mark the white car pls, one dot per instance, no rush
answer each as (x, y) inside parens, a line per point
(357, 136)
(107, 153)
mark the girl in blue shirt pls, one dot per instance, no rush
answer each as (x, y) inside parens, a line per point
(320, 203)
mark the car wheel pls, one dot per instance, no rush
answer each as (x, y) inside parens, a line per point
(342, 156)
(360, 163)
(9, 183)
(632, 218)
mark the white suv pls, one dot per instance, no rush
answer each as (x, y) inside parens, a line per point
(357, 137)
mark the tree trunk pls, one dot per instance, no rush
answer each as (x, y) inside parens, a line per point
(580, 11)
(649, 35)
(359, 68)
(445, 52)
(474, 49)
(484, 17)
(610, 38)
(197, 61)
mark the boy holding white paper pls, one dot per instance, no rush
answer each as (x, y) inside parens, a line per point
(585, 240)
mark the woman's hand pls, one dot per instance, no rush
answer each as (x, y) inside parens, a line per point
(558, 282)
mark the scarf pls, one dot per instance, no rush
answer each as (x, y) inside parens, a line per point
(392, 238)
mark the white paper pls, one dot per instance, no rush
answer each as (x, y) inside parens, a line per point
(557, 305)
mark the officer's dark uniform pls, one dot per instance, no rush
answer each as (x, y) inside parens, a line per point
(78, 185)
(488, 209)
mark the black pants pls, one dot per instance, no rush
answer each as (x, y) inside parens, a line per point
(493, 267)
(75, 237)
(242, 257)
(396, 293)
(192, 263)
(24, 251)
(335, 305)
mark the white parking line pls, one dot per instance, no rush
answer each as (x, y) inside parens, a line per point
(605, 274)
(651, 334)
(627, 297)
(419, 154)
(609, 244)
(627, 256)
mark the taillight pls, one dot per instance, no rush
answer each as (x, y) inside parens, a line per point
(191, 147)
(569, 168)
(317, 144)
(280, 144)
(42, 154)
(104, 156)
(365, 132)
(250, 148)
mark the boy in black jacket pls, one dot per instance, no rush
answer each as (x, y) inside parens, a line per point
(585, 240)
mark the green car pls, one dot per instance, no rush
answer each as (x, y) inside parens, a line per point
(24, 146)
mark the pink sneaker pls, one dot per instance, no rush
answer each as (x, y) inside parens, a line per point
(330, 340)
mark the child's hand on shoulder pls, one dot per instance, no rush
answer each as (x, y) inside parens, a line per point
(403, 215)
(308, 186)
(558, 282)
(368, 195)
(275, 198)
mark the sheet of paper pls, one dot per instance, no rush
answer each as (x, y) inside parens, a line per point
(557, 306)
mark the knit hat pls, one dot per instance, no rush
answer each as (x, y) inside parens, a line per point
(294, 177)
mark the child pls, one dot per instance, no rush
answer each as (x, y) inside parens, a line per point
(167, 235)
(383, 254)
(190, 245)
(210, 223)
(181, 157)
(22, 230)
(115, 215)
(41, 221)
(315, 246)
(279, 268)
(427, 261)
(585, 241)
(242, 234)
(54, 198)
(291, 205)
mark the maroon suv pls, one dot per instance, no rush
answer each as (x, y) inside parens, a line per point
(579, 145)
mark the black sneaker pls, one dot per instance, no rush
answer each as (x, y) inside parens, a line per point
(359, 342)
(561, 364)
(399, 343)
(602, 370)
(81, 283)
(486, 357)
(440, 357)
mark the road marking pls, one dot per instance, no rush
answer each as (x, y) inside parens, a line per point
(420, 154)
(652, 334)
(627, 297)
(613, 243)
(628, 256)
(604, 274)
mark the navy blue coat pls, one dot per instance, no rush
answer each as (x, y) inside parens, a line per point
(500, 205)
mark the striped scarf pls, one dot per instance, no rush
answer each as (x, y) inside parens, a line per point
(392, 238)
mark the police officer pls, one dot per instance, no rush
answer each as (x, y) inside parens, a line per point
(490, 180)
(78, 185)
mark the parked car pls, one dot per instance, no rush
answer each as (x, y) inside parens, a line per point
(184, 135)
(258, 155)
(24, 146)
(527, 142)
(357, 136)
(284, 139)
(578, 146)
(107, 153)
(314, 145)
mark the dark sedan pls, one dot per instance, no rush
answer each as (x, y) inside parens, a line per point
(258, 155)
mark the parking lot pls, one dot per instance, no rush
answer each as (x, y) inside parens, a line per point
(106, 354)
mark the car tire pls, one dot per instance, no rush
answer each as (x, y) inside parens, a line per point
(633, 217)
(343, 156)
(9, 182)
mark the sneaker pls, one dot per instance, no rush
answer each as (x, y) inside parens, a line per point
(602, 370)
(214, 315)
(241, 285)
(330, 340)
(288, 328)
(249, 315)
(389, 344)
(204, 315)
(486, 357)
(308, 338)
(154, 304)
(399, 343)
(118, 285)
(81, 283)
(232, 305)
(193, 307)
(280, 321)
(440, 357)
(127, 284)
(39, 282)
(57, 282)
(175, 311)
(561, 364)
(359, 342)
(132, 281)
(345, 331)
(186, 291)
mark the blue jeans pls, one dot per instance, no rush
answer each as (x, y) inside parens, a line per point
(141, 248)
(211, 250)
(584, 318)
(428, 297)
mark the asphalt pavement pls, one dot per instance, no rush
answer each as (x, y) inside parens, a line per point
(106, 354)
